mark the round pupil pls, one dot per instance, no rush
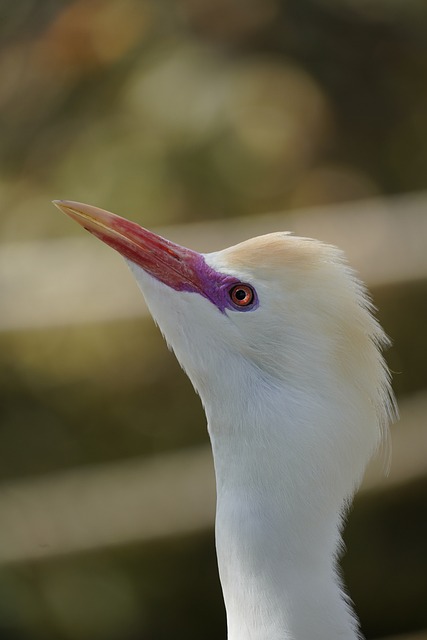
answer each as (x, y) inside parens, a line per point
(241, 294)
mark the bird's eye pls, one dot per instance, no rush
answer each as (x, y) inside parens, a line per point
(242, 295)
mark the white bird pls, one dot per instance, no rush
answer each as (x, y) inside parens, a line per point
(278, 338)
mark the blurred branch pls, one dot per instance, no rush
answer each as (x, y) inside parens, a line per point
(141, 501)
(104, 506)
(384, 239)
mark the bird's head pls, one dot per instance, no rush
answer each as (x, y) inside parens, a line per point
(274, 325)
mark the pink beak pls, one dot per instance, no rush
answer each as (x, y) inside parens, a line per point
(179, 268)
(170, 263)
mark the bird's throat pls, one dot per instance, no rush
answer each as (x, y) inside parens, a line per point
(276, 559)
(274, 588)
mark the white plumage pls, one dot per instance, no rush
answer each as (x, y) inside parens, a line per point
(297, 397)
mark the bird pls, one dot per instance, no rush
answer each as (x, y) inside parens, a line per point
(279, 338)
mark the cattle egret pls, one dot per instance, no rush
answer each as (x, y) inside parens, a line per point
(278, 338)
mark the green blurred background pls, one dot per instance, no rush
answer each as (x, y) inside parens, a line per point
(196, 115)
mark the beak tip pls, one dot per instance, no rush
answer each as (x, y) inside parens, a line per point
(68, 206)
(59, 204)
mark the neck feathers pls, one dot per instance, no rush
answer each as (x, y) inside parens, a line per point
(284, 480)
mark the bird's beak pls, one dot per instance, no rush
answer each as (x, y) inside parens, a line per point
(166, 261)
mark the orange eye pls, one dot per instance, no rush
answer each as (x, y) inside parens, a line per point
(242, 295)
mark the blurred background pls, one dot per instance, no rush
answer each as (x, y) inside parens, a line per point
(200, 119)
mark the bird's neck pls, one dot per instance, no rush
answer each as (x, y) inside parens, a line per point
(277, 542)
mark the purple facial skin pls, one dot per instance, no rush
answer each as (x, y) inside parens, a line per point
(179, 268)
(211, 284)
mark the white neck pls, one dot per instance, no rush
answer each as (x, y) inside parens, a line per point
(277, 537)
(293, 423)
(274, 589)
